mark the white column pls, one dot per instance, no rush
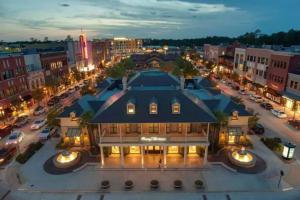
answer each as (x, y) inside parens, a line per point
(207, 130)
(165, 156)
(142, 154)
(102, 156)
(184, 155)
(122, 156)
(205, 155)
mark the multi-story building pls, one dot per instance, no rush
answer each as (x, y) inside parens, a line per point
(55, 67)
(257, 67)
(212, 53)
(240, 61)
(125, 46)
(292, 92)
(35, 74)
(13, 82)
(153, 116)
(281, 63)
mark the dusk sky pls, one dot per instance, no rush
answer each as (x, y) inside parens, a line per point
(22, 19)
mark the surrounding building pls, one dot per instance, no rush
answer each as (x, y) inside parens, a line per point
(153, 59)
(153, 116)
(292, 93)
(55, 67)
(280, 65)
(212, 53)
(35, 74)
(240, 62)
(124, 47)
(13, 83)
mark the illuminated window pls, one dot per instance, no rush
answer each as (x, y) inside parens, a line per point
(134, 150)
(176, 108)
(192, 149)
(153, 108)
(115, 150)
(130, 108)
(173, 149)
(153, 128)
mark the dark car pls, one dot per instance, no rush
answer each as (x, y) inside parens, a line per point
(63, 96)
(6, 154)
(266, 105)
(5, 130)
(294, 123)
(21, 121)
(53, 101)
(257, 129)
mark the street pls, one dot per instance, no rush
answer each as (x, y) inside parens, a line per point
(274, 127)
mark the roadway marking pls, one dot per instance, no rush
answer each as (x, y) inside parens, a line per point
(287, 189)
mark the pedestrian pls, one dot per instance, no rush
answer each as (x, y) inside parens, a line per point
(159, 163)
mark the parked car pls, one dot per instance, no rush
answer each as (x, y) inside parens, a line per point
(235, 86)
(71, 90)
(257, 129)
(5, 130)
(266, 105)
(242, 92)
(6, 154)
(81, 85)
(256, 98)
(14, 138)
(77, 87)
(47, 133)
(279, 113)
(37, 124)
(294, 123)
(39, 110)
(63, 95)
(21, 121)
(54, 100)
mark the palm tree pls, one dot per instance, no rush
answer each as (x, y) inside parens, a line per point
(252, 121)
(83, 123)
(222, 122)
(38, 95)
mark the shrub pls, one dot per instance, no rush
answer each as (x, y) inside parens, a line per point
(31, 149)
(272, 143)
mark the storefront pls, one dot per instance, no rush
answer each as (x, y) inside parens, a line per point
(75, 137)
(273, 96)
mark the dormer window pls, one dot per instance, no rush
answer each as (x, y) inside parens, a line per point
(130, 107)
(153, 106)
(175, 107)
(235, 115)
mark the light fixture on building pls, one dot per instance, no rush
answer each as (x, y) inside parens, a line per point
(288, 150)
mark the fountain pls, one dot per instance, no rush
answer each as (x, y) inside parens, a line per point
(242, 158)
(66, 159)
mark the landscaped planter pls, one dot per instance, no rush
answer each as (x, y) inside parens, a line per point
(199, 184)
(154, 184)
(128, 185)
(177, 184)
(105, 184)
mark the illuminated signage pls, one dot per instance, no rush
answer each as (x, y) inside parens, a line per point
(153, 139)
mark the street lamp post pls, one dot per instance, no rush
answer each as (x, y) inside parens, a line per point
(280, 177)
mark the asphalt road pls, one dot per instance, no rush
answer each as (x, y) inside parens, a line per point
(274, 127)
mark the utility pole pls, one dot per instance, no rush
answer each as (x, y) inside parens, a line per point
(280, 177)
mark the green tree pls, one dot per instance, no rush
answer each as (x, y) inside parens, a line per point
(52, 119)
(221, 123)
(117, 71)
(87, 90)
(252, 121)
(84, 125)
(38, 95)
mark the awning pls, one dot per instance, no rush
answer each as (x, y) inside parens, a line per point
(234, 131)
(273, 92)
(291, 96)
(73, 132)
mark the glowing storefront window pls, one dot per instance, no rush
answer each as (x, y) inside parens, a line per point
(173, 149)
(289, 103)
(192, 149)
(115, 150)
(134, 149)
(231, 139)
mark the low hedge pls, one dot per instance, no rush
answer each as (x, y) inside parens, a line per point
(273, 143)
(31, 149)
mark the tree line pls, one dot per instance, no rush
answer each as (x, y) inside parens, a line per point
(257, 38)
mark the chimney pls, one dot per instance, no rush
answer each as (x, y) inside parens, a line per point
(181, 82)
(124, 82)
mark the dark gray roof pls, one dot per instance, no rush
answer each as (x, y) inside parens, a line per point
(152, 79)
(117, 113)
(76, 108)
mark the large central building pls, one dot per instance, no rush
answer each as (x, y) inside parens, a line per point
(153, 119)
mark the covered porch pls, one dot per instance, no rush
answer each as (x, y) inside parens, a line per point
(159, 157)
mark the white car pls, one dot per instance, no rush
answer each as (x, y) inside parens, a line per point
(242, 92)
(71, 90)
(15, 138)
(39, 110)
(46, 133)
(279, 113)
(37, 124)
(256, 98)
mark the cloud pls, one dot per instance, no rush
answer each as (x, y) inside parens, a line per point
(65, 5)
